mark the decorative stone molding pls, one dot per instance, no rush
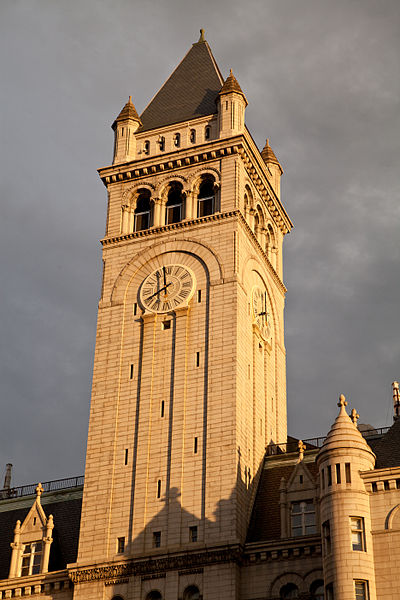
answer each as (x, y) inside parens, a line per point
(157, 566)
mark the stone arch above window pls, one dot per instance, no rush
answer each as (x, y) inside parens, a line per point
(117, 598)
(284, 584)
(191, 593)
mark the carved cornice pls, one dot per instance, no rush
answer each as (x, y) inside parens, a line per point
(256, 170)
(157, 566)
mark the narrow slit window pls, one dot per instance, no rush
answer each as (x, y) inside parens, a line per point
(193, 534)
(146, 147)
(161, 142)
(195, 445)
(199, 296)
(192, 136)
(301, 479)
(126, 456)
(329, 471)
(197, 359)
(347, 472)
(323, 479)
(338, 474)
(177, 140)
(131, 371)
(207, 133)
(134, 309)
(162, 408)
(159, 488)
(120, 545)
(156, 539)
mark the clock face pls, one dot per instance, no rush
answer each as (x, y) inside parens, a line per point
(261, 314)
(167, 288)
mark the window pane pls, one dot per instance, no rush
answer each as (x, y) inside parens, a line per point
(142, 221)
(309, 518)
(296, 507)
(296, 521)
(174, 213)
(361, 590)
(206, 206)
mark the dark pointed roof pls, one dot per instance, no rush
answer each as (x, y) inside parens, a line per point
(387, 448)
(231, 84)
(268, 154)
(128, 112)
(190, 92)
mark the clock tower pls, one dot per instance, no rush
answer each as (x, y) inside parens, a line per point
(189, 382)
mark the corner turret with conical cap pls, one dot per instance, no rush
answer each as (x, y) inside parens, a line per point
(268, 156)
(344, 507)
(231, 107)
(125, 127)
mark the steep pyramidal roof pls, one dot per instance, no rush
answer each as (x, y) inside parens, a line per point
(190, 92)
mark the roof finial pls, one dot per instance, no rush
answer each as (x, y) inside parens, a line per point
(201, 38)
(130, 100)
(267, 142)
(39, 491)
(342, 404)
(301, 446)
(354, 416)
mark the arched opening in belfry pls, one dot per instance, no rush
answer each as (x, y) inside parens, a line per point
(175, 204)
(142, 211)
(191, 593)
(206, 198)
(290, 590)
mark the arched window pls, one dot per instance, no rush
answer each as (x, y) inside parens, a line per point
(290, 590)
(142, 211)
(317, 590)
(117, 598)
(191, 593)
(146, 147)
(207, 133)
(174, 207)
(177, 140)
(154, 595)
(192, 136)
(161, 142)
(206, 198)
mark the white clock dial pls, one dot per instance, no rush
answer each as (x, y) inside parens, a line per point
(167, 288)
(261, 314)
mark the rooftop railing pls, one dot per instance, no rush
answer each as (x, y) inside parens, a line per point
(315, 443)
(48, 486)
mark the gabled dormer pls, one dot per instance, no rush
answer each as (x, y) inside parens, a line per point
(298, 501)
(32, 541)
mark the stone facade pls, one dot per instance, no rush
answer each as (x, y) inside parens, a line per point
(189, 388)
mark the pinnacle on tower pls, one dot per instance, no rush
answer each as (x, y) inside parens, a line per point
(231, 84)
(128, 113)
(268, 154)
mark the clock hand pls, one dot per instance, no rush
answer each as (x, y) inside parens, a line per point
(160, 290)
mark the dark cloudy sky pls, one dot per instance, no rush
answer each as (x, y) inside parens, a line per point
(323, 83)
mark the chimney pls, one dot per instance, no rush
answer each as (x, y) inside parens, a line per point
(7, 478)
(396, 400)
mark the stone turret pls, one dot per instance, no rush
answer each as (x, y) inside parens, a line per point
(268, 156)
(344, 508)
(125, 127)
(231, 107)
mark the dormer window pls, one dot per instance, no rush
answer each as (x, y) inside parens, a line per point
(207, 133)
(192, 136)
(177, 140)
(31, 558)
(161, 142)
(303, 518)
(146, 147)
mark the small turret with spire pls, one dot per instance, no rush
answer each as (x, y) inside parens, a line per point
(268, 156)
(231, 107)
(125, 127)
(396, 400)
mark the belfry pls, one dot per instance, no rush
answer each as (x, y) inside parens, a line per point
(193, 489)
